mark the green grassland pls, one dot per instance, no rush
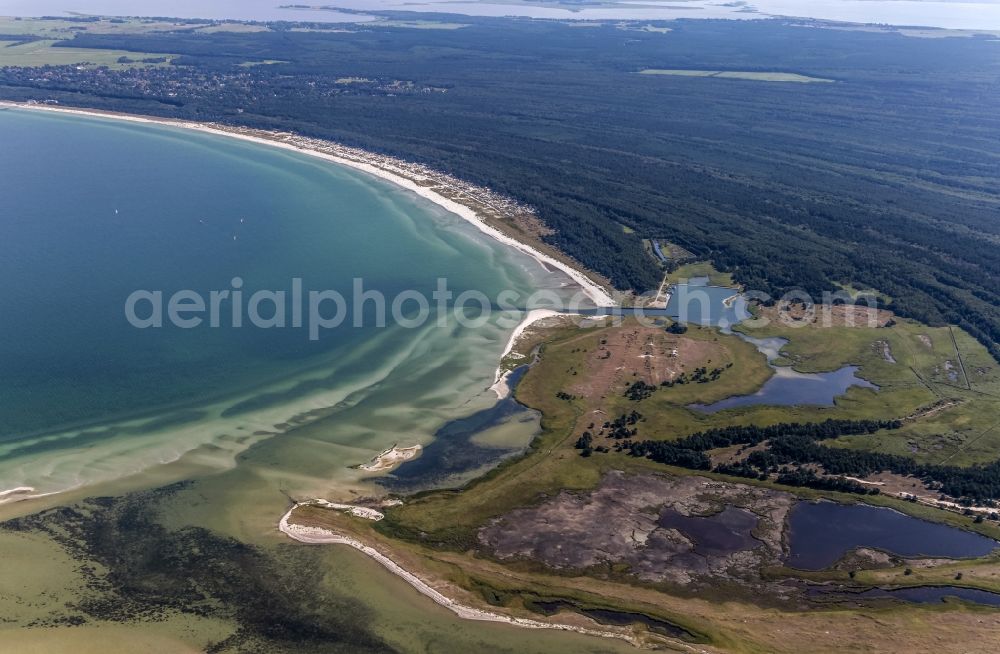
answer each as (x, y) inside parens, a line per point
(42, 53)
(983, 574)
(701, 269)
(418, 24)
(735, 74)
(435, 530)
(963, 434)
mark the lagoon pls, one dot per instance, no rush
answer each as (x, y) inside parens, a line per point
(820, 533)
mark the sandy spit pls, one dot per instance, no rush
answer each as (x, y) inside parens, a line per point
(500, 386)
(319, 536)
(390, 458)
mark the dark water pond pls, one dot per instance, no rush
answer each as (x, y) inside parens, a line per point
(615, 618)
(934, 595)
(915, 594)
(820, 533)
(694, 302)
(788, 387)
(717, 535)
(451, 455)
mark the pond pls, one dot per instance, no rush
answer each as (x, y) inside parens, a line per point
(699, 303)
(913, 594)
(820, 533)
(614, 618)
(788, 387)
(720, 534)
(933, 595)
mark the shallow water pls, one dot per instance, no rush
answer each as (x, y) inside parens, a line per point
(616, 618)
(87, 398)
(914, 594)
(788, 387)
(934, 595)
(697, 302)
(820, 533)
(466, 447)
(252, 418)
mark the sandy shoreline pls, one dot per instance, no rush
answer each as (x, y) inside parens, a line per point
(319, 536)
(391, 169)
(412, 177)
(390, 458)
(500, 386)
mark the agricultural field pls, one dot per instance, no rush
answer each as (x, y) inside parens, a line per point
(54, 28)
(43, 53)
(697, 269)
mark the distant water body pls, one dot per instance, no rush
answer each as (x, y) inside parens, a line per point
(980, 15)
(93, 209)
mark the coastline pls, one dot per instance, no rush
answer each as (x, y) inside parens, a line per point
(500, 386)
(320, 536)
(428, 184)
(395, 171)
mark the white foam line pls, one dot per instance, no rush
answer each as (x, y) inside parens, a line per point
(21, 493)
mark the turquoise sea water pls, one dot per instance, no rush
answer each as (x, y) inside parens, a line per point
(93, 210)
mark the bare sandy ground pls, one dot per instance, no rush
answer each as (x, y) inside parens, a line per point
(390, 458)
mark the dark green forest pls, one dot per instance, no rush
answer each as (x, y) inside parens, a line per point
(885, 178)
(791, 449)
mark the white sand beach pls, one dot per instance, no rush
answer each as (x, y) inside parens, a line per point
(387, 168)
(500, 386)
